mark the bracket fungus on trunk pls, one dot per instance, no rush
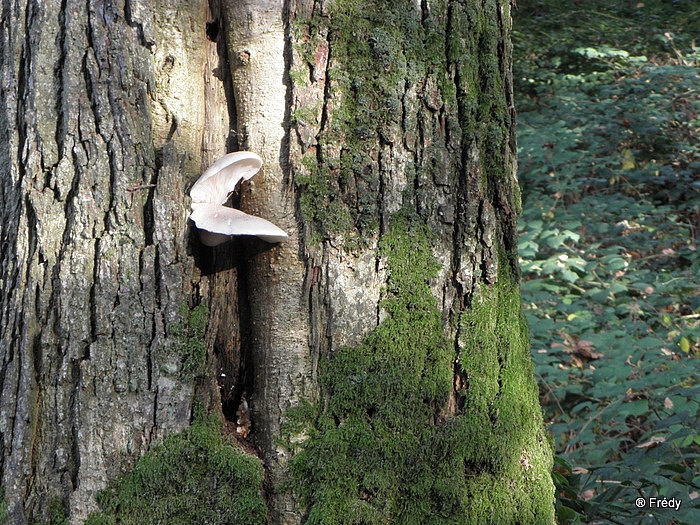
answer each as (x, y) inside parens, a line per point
(218, 223)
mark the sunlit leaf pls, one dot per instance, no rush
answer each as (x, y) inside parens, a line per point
(628, 160)
(684, 344)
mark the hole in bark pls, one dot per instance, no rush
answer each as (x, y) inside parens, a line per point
(234, 383)
(212, 30)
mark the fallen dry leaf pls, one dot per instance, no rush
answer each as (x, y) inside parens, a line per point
(653, 442)
(588, 495)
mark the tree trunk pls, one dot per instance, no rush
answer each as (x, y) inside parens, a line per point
(382, 346)
(102, 116)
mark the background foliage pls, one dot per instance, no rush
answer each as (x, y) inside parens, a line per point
(609, 98)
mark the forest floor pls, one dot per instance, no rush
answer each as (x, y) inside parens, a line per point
(608, 95)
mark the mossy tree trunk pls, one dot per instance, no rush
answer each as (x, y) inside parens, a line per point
(392, 319)
(382, 347)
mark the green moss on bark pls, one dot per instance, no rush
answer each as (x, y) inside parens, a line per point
(380, 449)
(195, 476)
(370, 453)
(57, 514)
(377, 50)
(189, 335)
(501, 407)
(381, 446)
(479, 53)
(381, 55)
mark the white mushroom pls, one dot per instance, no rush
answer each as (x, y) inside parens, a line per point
(217, 223)
(222, 177)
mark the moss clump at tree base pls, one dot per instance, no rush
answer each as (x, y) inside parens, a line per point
(380, 451)
(194, 476)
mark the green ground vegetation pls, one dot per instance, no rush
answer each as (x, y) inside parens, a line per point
(610, 171)
(195, 476)
(378, 450)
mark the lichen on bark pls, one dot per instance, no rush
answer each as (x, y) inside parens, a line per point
(354, 63)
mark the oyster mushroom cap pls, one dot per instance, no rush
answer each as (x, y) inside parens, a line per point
(217, 223)
(222, 177)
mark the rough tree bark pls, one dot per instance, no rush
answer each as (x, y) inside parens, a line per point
(392, 313)
(104, 105)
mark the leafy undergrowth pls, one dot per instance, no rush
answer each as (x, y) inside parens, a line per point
(610, 169)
